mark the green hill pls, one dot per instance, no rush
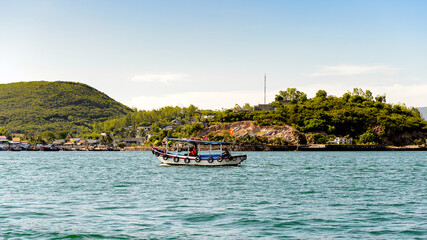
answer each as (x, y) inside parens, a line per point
(41, 106)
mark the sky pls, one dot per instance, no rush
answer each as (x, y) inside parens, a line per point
(214, 54)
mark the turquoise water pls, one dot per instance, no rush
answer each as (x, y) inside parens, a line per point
(272, 195)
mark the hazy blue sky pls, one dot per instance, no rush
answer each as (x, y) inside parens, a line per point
(149, 54)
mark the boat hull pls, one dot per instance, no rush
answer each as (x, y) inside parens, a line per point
(211, 161)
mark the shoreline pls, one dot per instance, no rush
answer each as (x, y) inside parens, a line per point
(259, 148)
(312, 147)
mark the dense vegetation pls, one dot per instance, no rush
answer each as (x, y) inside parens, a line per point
(28, 107)
(185, 121)
(356, 114)
(49, 110)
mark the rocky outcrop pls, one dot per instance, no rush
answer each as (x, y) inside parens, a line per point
(248, 127)
(405, 138)
(399, 139)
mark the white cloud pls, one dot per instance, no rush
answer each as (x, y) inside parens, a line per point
(159, 77)
(351, 70)
(411, 95)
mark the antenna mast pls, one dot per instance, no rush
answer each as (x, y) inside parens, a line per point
(265, 84)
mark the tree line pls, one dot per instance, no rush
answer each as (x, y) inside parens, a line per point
(356, 114)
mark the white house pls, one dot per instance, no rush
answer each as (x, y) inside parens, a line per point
(343, 140)
(3, 140)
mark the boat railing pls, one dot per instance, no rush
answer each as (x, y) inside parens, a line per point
(183, 147)
(203, 153)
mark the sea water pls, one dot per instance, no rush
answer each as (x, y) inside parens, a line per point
(272, 195)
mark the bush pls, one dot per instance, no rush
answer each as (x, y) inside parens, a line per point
(319, 138)
(368, 138)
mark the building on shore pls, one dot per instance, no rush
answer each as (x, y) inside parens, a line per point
(133, 141)
(343, 140)
(58, 142)
(3, 140)
(239, 110)
(264, 107)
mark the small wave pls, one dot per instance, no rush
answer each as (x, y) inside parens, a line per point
(289, 223)
(308, 192)
(203, 217)
(29, 214)
(414, 232)
(247, 220)
(164, 165)
(264, 203)
(382, 232)
(88, 236)
(114, 207)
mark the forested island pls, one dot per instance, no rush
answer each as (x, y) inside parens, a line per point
(41, 112)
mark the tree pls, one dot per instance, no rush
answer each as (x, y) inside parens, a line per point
(5, 132)
(62, 134)
(357, 92)
(321, 94)
(319, 138)
(190, 130)
(291, 94)
(346, 96)
(364, 94)
(106, 139)
(246, 106)
(130, 132)
(48, 136)
(380, 98)
(155, 128)
(368, 95)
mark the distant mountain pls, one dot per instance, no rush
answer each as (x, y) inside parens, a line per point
(41, 105)
(423, 111)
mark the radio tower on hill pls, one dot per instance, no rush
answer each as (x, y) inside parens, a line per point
(265, 88)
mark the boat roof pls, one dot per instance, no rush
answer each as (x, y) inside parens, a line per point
(197, 141)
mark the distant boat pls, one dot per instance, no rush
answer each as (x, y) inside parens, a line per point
(49, 148)
(192, 156)
(4, 147)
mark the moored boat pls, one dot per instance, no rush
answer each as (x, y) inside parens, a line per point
(49, 148)
(191, 154)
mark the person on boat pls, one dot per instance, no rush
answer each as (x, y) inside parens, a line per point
(194, 152)
(226, 153)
